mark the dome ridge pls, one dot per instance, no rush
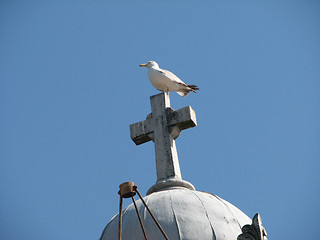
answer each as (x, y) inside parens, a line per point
(183, 214)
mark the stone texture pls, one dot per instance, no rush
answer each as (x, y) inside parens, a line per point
(163, 126)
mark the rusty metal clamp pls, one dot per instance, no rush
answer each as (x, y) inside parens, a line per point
(129, 190)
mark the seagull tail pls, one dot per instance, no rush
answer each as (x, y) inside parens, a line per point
(187, 88)
(193, 88)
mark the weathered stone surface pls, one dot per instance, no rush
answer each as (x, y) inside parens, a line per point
(163, 126)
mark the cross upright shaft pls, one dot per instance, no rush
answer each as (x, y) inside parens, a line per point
(163, 126)
(165, 147)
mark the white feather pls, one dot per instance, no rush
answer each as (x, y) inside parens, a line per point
(166, 81)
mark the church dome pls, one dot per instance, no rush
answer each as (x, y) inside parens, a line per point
(183, 214)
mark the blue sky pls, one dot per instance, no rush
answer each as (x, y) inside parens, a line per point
(70, 86)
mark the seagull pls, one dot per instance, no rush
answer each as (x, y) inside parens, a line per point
(166, 81)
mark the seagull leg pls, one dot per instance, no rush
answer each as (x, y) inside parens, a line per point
(167, 91)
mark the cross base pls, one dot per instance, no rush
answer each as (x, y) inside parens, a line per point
(170, 183)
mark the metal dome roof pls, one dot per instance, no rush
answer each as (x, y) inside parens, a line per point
(183, 214)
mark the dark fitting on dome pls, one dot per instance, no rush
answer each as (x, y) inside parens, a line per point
(127, 190)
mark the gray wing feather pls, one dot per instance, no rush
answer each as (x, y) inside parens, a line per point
(171, 76)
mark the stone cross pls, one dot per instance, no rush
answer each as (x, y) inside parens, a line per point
(163, 125)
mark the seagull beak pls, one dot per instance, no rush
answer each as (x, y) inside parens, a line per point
(142, 65)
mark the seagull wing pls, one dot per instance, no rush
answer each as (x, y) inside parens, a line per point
(171, 76)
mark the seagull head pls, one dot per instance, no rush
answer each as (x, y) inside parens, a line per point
(150, 64)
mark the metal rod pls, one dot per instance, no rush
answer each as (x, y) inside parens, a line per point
(140, 220)
(120, 219)
(154, 219)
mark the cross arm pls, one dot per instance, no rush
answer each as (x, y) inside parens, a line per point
(141, 132)
(184, 118)
(181, 119)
